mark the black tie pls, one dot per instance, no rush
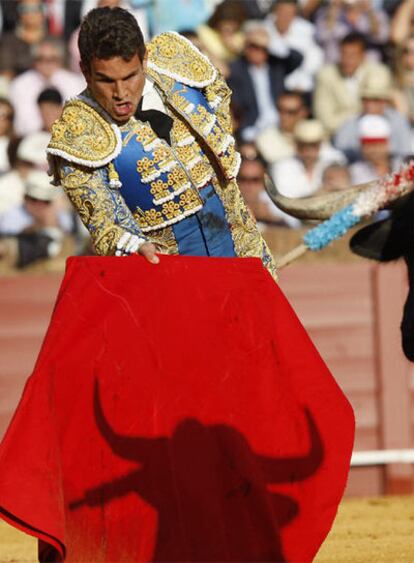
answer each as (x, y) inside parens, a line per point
(160, 122)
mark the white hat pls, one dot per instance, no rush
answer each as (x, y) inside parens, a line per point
(33, 148)
(257, 34)
(309, 131)
(377, 85)
(38, 186)
(373, 128)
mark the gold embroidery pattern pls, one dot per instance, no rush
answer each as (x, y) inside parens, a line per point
(181, 103)
(83, 134)
(150, 169)
(247, 239)
(176, 183)
(203, 120)
(201, 173)
(145, 135)
(198, 166)
(177, 57)
(181, 133)
(171, 212)
(102, 210)
(164, 240)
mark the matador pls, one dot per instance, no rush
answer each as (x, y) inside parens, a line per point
(146, 153)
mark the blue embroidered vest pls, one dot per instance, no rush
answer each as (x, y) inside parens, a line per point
(160, 182)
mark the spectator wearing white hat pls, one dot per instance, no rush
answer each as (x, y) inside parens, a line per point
(301, 174)
(35, 229)
(24, 156)
(376, 94)
(38, 212)
(374, 133)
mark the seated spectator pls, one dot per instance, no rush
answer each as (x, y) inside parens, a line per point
(275, 143)
(36, 211)
(6, 132)
(37, 223)
(16, 46)
(47, 71)
(301, 174)
(251, 181)
(376, 158)
(375, 94)
(222, 34)
(337, 96)
(341, 17)
(24, 156)
(288, 29)
(335, 177)
(50, 105)
(257, 80)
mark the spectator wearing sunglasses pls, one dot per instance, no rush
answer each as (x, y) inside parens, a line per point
(277, 142)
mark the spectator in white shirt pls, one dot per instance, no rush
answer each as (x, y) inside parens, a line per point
(47, 72)
(301, 174)
(288, 30)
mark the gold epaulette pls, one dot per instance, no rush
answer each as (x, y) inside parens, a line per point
(172, 55)
(83, 136)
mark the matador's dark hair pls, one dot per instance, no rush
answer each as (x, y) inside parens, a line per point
(110, 32)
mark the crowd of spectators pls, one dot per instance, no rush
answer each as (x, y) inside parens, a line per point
(323, 97)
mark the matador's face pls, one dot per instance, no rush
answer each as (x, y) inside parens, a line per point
(117, 85)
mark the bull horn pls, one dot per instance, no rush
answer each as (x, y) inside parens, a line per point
(317, 207)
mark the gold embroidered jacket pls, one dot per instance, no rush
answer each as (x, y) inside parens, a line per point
(87, 151)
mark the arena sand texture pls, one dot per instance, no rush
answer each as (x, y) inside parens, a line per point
(366, 530)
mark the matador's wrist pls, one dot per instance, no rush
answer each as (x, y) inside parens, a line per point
(129, 244)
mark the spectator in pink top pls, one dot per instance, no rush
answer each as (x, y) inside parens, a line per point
(47, 71)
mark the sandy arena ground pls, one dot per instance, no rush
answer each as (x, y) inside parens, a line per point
(368, 530)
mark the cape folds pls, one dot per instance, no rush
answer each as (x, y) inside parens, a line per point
(176, 412)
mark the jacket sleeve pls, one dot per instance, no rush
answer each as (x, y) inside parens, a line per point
(101, 208)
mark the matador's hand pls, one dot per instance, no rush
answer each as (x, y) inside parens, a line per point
(148, 250)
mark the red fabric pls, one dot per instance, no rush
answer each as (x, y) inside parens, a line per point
(176, 412)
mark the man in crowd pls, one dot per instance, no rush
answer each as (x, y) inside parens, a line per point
(375, 95)
(47, 72)
(257, 79)
(25, 155)
(337, 94)
(163, 180)
(251, 180)
(276, 142)
(301, 175)
(374, 133)
(34, 229)
(288, 29)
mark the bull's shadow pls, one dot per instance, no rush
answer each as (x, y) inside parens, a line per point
(209, 489)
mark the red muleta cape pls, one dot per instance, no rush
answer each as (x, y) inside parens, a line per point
(176, 412)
